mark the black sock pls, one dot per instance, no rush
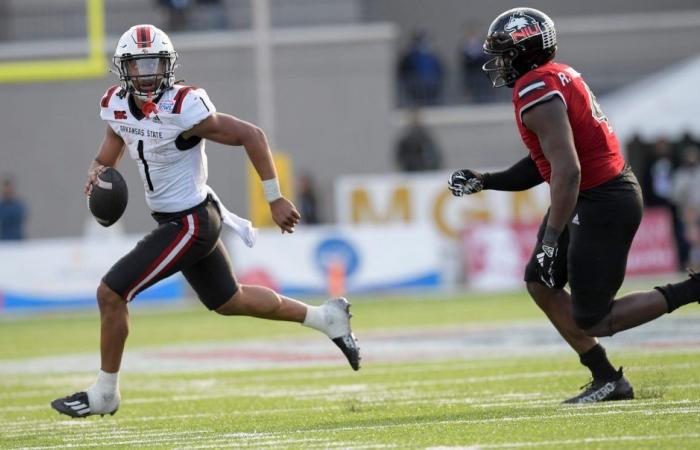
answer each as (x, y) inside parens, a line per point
(679, 294)
(597, 361)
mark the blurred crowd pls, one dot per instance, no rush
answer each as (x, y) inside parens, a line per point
(669, 173)
(13, 213)
(422, 74)
(178, 17)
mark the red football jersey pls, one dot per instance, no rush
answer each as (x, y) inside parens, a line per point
(596, 144)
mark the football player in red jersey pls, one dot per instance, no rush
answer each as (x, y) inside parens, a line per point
(596, 202)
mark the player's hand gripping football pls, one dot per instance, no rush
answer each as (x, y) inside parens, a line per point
(465, 181)
(546, 255)
(93, 172)
(284, 214)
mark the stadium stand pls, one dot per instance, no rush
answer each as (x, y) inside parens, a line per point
(326, 52)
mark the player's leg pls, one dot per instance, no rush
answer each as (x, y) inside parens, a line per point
(638, 308)
(213, 280)
(556, 303)
(600, 245)
(178, 241)
(262, 302)
(608, 219)
(630, 311)
(103, 396)
(114, 327)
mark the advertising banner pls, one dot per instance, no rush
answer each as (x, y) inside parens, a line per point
(653, 249)
(424, 199)
(495, 253)
(65, 273)
(318, 259)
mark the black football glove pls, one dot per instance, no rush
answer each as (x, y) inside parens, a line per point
(546, 255)
(465, 181)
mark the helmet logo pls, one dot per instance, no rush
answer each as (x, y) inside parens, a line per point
(522, 27)
(143, 37)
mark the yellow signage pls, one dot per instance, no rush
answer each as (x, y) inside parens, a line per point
(93, 66)
(426, 199)
(259, 208)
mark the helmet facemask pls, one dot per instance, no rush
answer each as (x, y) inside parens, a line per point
(148, 75)
(500, 68)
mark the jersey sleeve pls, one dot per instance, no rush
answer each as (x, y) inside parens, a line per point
(196, 106)
(536, 88)
(106, 109)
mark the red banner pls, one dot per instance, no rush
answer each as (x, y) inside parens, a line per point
(496, 252)
(653, 249)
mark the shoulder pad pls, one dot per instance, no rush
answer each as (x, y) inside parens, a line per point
(104, 103)
(191, 105)
(535, 87)
(179, 98)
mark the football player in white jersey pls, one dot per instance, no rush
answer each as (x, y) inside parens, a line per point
(163, 127)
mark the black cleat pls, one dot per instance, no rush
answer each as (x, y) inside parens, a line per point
(348, 344)
(76, 406)
(604, 391)
(338, 320)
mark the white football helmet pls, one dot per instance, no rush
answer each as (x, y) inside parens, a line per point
(145, 61)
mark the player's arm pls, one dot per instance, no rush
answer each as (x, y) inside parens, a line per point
(229, 130)
(551, 124)
(110, 152)
(521, 176)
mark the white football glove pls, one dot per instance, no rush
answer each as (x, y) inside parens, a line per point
(465, 181)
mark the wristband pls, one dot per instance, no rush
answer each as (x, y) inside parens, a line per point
(271, 189)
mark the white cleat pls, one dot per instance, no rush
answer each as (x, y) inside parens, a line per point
(337, 315)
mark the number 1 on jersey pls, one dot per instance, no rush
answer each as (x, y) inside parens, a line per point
(145, 166)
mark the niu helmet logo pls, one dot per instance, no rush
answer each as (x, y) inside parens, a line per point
(522, 27)
(120, 115)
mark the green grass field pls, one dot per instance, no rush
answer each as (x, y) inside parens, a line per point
(488, 401)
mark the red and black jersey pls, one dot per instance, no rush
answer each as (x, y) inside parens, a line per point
(596, 144)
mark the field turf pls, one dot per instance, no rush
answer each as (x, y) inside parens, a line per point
(508, 400)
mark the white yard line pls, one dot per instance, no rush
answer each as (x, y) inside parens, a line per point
(103, 427)
(231, 440)
(469, 342)
(371, 391)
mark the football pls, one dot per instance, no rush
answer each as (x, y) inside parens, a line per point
(108, 198)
